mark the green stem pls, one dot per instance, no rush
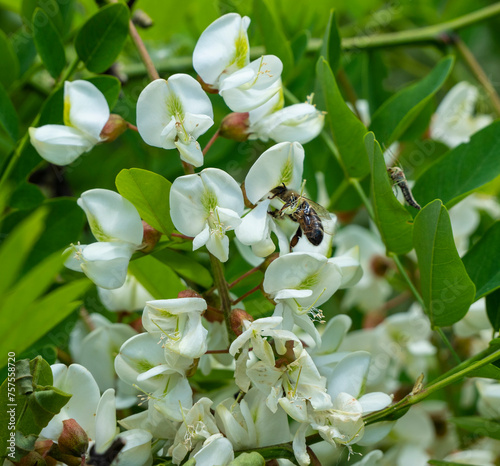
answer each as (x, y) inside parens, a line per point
(478, 72)
(407, 279)
(222, 288)
(22, 143)
(359, 189)
(428, 34)
(450, 377)
(440, 332)
(282, 451)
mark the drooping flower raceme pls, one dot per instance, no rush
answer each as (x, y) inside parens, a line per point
(117, 226)
(454, 121)
(206, 205)
(85, 115)
(222, 49)
(173, 114)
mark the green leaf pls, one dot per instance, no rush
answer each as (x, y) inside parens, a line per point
(489, 371)
(393, 221)
(185, 266)
(271, 29)
(374, 74)
(463, 169)
(444, 463)
(101, 38)
(478, 426)
(149, 192)
(8, 116)
(447, 290)
(17, 246)
(9, 70)
(248, 459)
(31, 323)
(48, 43)
(331, 49)
(50, 8)
(493, 309)
(45, 404)
(348, 132)
(396, 114)
(158, 278)
(299, 45)
(481, 262)
(26, 196)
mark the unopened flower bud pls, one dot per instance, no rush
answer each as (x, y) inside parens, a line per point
(188, 294)
(209, 89)
(73, 440)
(288, 357)
(237, 317)
(141, 19)
(150, 237)
(380, 265)
(114, 127)
(235, 126)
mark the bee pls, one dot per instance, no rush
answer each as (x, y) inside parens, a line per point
(313, 219)
(397, 175)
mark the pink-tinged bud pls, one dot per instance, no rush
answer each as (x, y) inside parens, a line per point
(188, 294)
(237, 317)
(235, 126)
(380, 265)
(73, 440)
(149, 238)
(208, 88)
(114, 127)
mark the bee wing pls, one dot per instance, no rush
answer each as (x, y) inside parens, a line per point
(325, 216)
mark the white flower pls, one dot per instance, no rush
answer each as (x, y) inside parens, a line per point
(96, 350)
(117, 226)
(197, 426)
(300, 282)
(82, 406)
(216, 449)
(177, 322)
(252, 86)
(206, 205)
(454, 121)
(132, 296)
(299, 123)
(474, 322)
(85, 115)
(372, 290)
(222, 49)
(489, 398)
(250, 423)
(173, 114)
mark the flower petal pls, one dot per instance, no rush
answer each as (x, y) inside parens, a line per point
(222, 48)
(60, 144)
(111, 217)
(88, 111)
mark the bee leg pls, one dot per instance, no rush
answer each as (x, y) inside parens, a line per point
(295, 238)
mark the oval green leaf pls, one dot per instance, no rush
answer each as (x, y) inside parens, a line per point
(331, 48)
(8, 116)
(481, 262)
(150, 193)
(101, 38)
(9, 71)
(398, 112)
(447, 290)
(463, 169)
(48, 43)
(348, 132)
(393, 221)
